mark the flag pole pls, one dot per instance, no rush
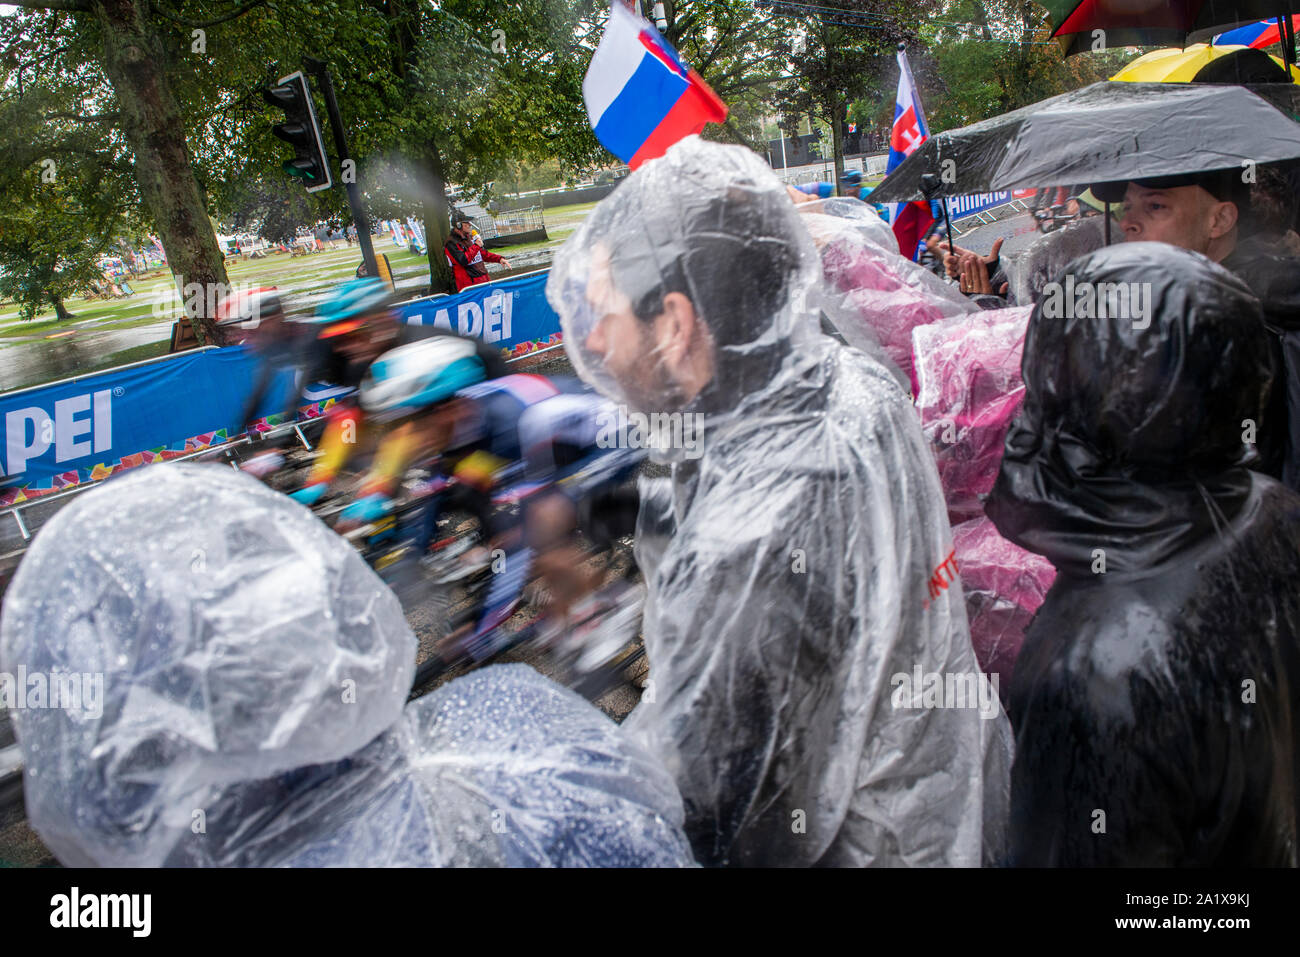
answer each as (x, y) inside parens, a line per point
(947, 224)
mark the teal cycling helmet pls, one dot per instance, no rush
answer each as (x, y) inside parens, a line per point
(415, 376)
(354, 300)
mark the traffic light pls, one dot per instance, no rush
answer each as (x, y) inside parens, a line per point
(301, 131)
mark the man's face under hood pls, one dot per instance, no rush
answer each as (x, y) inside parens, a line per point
(685, 289)
(653, 365)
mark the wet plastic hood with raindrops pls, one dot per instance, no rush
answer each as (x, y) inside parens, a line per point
(791, 567)
(255, 673)
(1159, 681)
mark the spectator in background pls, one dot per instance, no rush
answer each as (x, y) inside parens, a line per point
(1211, 213)
(466, 256)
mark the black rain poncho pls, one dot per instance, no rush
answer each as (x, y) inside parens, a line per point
(254, 673)
(796, 558)
(1156, 694)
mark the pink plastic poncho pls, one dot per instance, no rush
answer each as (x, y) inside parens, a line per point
(970, 390)
(874, 295)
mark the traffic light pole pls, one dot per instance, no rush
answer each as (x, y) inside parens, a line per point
(320, 70)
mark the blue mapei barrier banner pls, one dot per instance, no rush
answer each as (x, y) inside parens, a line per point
(87, 428)
(512, 314)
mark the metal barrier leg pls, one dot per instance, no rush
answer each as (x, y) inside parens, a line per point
(22, 527)
(301, 438)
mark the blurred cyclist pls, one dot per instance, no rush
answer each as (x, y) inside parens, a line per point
(352, 329)
(519, 438)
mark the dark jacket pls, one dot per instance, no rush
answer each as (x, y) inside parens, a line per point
(1156, 696)
(1274, 276)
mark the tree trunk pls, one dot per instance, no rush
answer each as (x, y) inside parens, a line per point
(836, 108)
(404, 25)
(837, 139)
(134, 61)
(60, 310)
(437, 223)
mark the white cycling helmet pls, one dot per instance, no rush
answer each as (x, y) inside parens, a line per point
(416, 376)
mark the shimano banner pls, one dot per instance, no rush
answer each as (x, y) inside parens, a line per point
(959, 206)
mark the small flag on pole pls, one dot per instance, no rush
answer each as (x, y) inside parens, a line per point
(641, 96)
(912, 221)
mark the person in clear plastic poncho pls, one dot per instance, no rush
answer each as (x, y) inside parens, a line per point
(252, 708)
(797, 559)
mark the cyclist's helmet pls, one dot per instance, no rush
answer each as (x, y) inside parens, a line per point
(355, 302)
(416, 376)
(246, 309)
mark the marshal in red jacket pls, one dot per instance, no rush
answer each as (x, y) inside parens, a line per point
(466, 260)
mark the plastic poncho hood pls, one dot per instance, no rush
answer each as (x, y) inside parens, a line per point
(791, 564)
(254, 678)
(873, 294)
(710, 222)
(1132, 423)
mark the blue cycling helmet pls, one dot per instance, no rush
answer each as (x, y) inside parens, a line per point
(415, 376)
(354, 300)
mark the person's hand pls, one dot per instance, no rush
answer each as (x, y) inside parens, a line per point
(952, 256)
(797, 195)
(992, 257)
(974, 277)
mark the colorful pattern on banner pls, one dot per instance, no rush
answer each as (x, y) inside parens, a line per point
(58, 436)
(512, 314)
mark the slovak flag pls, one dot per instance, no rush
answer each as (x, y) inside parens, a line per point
(912, 221)
(1257, 35)
(641, 97)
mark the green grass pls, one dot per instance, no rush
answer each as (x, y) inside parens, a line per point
(83, 310)
(300, 275)
(556, 236)
(563, 212)
(149, 350)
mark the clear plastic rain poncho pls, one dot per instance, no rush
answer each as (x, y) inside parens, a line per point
(874, 295)
(970, 391)
(862, 216)
(798, 558)
(1004, 585)
(1046, 257)
(253, 708)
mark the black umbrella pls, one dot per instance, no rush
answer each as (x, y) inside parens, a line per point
(1084, 25)
(1104, 132)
